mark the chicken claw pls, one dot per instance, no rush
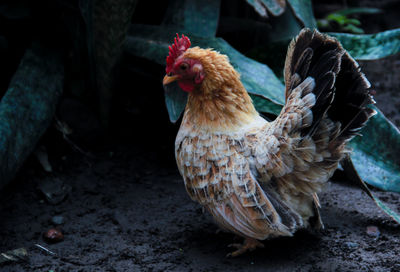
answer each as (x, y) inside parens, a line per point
(249, 244)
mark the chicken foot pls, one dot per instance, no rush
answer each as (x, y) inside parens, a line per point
(249, 244)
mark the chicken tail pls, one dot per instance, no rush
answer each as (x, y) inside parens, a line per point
(341, 90)
(327, 104)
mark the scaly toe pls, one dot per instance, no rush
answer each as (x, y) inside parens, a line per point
(236, 253)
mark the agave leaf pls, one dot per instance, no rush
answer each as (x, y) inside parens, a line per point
(303, 11)
(272, 54)
(27, 108)
(256, 77)
(151, 42)
(258, 7)
(284, 27)
(199, 17)
(371, 46)
(175, 100)
(264, 105)
(275, 7)
(15, 10)
(353, 176)
(290, 20)
(106, 26)
(376, 154)
(361, 47)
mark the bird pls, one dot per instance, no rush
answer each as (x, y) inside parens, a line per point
(259, 178)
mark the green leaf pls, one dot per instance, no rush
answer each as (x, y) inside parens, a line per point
(27, 108)
(258, 7)
(15, 10)
(175, 100)
(151, 42)
(199, 17)
(353, 29)
(264, 105)
(350, 11)
(304, 13)
(284, 27)
(376, 154)
(272, 54)
(256, 77)
(275, 7)
(361, 47)
(353, 21)
(371, 46)
(395, 216)
(340, 19)
(106, 27)
(353, 176)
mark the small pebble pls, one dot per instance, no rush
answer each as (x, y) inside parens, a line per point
(373, 231)
(350, 245)
(57, 220)
(53, 236)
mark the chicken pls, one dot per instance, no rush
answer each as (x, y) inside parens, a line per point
(260, 179)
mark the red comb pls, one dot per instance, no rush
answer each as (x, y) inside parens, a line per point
(178, 47)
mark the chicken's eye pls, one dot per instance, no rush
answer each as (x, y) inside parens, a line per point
(183, 66)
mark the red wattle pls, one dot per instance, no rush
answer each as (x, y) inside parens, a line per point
(186, 86)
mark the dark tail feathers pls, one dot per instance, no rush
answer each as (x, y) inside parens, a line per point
(342, 91)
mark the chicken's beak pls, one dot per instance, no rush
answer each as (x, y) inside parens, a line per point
(168, 79)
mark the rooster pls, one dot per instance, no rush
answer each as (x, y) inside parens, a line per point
(260, 179)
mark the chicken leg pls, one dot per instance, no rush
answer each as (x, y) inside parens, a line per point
(249, 244)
